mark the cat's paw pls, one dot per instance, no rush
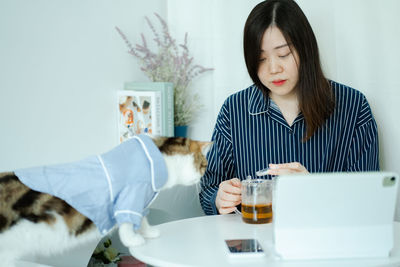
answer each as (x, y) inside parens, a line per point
(134, 241)
(128, 237)
(151, 232)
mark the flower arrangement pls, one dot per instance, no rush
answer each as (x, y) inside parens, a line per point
(105, 254)
(170, 63)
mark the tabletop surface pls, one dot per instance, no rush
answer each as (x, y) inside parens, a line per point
(200, 242)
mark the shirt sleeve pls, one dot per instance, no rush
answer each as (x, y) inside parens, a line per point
(364, 148)
(130, 204)
(220, 163)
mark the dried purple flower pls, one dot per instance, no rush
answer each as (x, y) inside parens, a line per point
(171, 63)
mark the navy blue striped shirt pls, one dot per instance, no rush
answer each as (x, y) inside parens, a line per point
(251, 132)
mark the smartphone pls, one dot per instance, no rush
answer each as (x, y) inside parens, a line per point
(244, 247)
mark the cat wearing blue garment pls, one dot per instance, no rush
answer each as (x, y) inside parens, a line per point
(48, 209)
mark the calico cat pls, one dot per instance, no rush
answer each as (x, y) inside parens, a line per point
(32, 222)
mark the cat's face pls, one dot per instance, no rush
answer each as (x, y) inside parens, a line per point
(185, 159)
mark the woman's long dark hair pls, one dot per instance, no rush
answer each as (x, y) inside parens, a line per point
(316, 100)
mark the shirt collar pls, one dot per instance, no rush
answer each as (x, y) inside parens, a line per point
(158, 169)
(257, 102)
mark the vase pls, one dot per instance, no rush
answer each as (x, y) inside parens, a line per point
(181, 131)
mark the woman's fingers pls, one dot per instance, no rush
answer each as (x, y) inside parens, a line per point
(227, 210)
(232, 186)
(225, 196)
(286, 168)
(228, 196)
(235, 182)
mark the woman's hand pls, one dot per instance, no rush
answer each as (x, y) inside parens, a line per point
(286, 168)
(229, 195)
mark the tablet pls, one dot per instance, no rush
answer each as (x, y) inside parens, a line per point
(334, 215)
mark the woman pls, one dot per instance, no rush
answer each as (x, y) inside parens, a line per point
(292, 120)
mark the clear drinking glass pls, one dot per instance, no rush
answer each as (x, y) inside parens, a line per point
(257, 201)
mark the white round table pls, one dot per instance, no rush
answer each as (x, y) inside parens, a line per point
(200, 242)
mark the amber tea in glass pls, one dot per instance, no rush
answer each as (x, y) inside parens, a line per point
(257, 201)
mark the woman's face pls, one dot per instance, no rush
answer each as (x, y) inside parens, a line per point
(278, 69)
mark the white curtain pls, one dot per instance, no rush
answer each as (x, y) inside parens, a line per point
(359, 43)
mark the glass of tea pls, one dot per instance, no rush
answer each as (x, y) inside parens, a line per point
(257, 201)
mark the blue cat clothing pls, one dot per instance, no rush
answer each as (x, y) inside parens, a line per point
(112, 188)
(251, 133)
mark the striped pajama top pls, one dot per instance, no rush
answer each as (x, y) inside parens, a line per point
(251, 132)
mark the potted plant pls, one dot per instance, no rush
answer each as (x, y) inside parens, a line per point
(170, 63)
(104, 255)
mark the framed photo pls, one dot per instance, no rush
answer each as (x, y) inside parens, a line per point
(139, 112)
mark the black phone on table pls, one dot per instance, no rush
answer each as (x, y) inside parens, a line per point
(244, 247)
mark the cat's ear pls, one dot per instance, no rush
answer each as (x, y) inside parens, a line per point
(205, 147)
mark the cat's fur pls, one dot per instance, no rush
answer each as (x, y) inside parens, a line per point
(36, 223)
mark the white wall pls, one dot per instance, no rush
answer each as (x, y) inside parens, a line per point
(61, 64)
